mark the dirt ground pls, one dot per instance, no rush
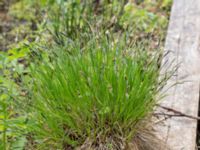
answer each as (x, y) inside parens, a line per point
(7, 24)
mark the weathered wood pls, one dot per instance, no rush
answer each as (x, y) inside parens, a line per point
(183, 40)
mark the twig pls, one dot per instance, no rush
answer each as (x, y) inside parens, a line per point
(168, 115)
(176, 113)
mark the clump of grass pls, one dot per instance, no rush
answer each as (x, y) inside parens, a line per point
(98, 96)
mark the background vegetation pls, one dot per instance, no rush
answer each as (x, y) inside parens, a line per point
(99, 36)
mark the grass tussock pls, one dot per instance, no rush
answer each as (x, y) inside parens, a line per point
(94, 96)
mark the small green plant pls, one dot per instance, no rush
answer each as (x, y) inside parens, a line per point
(95, 96)
(11, 123)
(141, 19)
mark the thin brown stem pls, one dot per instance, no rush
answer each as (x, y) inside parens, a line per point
(176, 113)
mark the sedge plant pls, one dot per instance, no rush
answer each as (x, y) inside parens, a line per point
(96, 96)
